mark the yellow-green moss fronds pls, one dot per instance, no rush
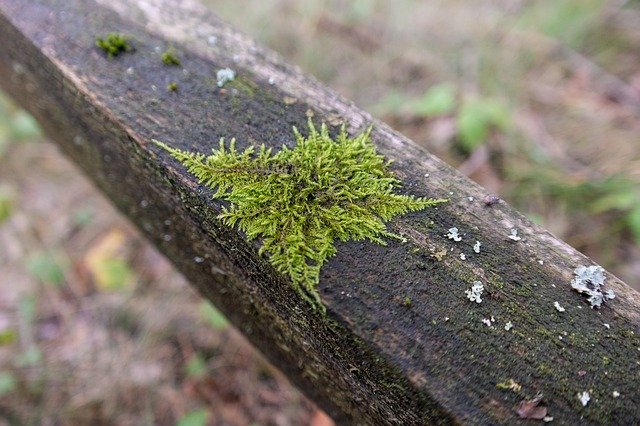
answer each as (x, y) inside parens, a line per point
(172, 87)
(170, 57)
(114, 44)
(300, 201)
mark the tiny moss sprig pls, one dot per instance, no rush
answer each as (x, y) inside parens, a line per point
(300, 201)
(114, 44)
(170, 57)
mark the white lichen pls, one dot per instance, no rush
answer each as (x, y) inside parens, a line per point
(558, 307)
(588, 280)
(514, 235)
(584, 398)
(486, 322)
(453, 234)
(224, 75)
(476, 246)
(463, 256)
(475, 293)
(547, 419)
(616, 394)
(508, 326)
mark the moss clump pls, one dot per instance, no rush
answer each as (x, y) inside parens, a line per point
(300, 200)
(170, 57)
(114, 44)
(172, 87)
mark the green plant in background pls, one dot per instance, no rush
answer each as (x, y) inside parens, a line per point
(31, 354)
(299, 201)
(6, 202)
(568, 21)
(194, 418)
(45, 268)
(439, 99)
(8, 382)
(617, 196)
(16, 125)
(196, 366)
(476, 118)
(212, 316)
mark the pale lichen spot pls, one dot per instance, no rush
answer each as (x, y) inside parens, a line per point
(584, 398)
(588, 280)
(453, 234)
(225, 75)
(476, 247)
(514, 235)
(558, 307)
(474, 294)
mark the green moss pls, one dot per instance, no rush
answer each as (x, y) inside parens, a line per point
(544, 369)
(172, 87)
(114, 44)
(243, 85)
(300, 201)
(170, 57)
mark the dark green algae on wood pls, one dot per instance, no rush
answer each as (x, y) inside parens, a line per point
(413, 364)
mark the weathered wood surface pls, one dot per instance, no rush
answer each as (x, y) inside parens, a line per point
(372, 358)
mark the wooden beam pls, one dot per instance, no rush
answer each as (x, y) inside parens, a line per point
(400, 342)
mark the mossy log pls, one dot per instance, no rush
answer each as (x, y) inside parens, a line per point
(400, 342)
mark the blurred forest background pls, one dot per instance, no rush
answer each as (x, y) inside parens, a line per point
(539, 101)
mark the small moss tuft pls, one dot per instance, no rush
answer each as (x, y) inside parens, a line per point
(114, 44)
(172, 87)
(300, 201)
(170, 57)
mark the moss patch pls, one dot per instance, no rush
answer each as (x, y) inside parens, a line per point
(114, 44)
(170, 57)
(300, 200)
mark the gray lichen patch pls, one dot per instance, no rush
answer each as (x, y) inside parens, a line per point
(589, 280)
(224, 75)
